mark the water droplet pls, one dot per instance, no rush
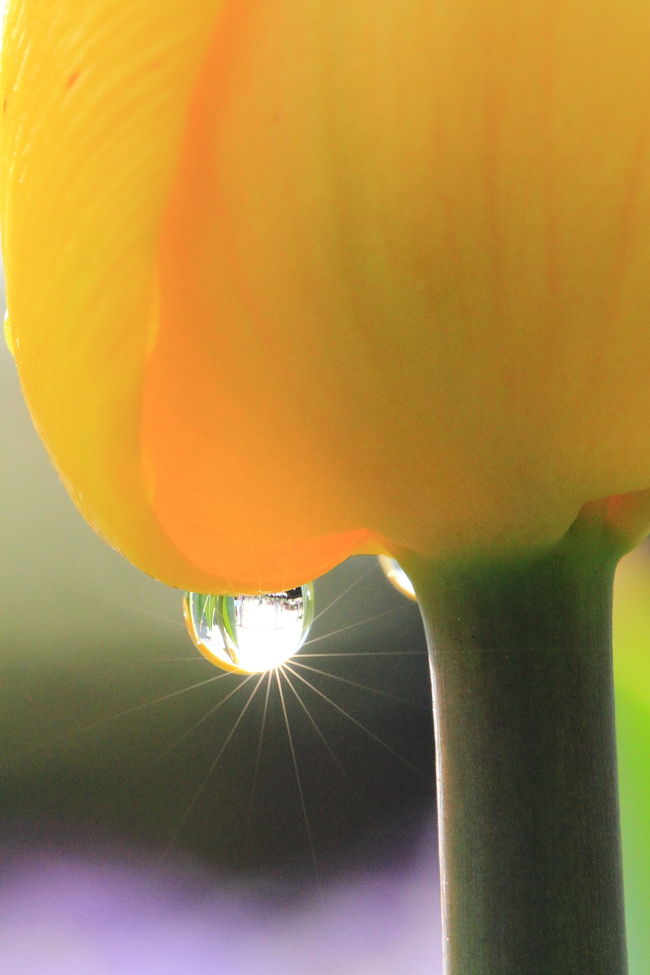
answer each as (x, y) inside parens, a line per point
(397, 576)
(249, 634)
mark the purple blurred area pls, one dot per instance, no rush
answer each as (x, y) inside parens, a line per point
(78, 916)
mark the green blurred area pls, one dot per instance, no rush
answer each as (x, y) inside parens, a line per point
(632, 667)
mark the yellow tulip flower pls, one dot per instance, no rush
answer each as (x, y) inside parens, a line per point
(290, 280)
(293, 279)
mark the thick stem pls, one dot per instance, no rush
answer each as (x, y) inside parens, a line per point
(526, 760)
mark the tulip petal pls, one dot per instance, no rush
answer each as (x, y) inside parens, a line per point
(407, 258)
(96, 97)
(290, 280)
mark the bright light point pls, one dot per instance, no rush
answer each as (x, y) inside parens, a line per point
(249, 634)
(397, 576)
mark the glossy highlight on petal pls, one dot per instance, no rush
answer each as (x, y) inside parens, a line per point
(293, 280)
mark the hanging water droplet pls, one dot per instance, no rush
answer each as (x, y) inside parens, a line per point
(397, 576)
(249, 634)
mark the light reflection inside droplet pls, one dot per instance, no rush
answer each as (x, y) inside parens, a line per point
(397, 576)
(249, 634)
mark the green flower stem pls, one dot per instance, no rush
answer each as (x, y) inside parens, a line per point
(526, 759)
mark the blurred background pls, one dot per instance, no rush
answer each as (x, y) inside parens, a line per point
(136, 835)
